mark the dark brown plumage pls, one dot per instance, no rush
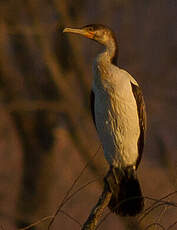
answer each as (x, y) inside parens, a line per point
(142, 119)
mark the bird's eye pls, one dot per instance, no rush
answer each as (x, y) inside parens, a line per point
(90, 29)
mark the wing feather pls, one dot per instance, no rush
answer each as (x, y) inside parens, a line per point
(137, 92)
(92, 105)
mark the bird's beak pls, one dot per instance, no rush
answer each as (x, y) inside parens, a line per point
(79, 31)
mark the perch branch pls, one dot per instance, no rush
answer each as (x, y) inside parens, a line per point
(97, 211)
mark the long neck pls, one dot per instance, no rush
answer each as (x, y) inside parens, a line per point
(109, 54)
(112, 50)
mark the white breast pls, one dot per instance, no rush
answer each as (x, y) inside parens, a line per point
(116, 115)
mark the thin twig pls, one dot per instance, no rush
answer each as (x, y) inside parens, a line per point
(79, 189)
(70, 189)
(71, 217)
(150, 210)
(50, 217)
(37, 222)
(163, 202)
(146, 211)
(155, 224)
(172, 225)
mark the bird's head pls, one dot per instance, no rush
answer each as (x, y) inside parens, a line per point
(100, 33)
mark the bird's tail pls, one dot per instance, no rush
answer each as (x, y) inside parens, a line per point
(126, 197)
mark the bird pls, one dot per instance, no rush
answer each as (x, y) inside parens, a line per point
(119, 114)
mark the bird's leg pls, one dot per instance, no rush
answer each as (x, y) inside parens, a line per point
(111, 179)
(115, 175)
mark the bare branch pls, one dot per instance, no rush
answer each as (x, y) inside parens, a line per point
(97, 211)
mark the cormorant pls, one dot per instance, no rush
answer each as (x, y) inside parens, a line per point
(118, 111)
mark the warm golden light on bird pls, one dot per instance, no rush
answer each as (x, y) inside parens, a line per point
(118, 111)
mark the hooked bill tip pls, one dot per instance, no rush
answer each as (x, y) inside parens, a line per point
(65, 30)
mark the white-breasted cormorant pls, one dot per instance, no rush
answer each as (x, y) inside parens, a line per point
(119, 115)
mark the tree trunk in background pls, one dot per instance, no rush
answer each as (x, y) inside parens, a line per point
(35, 130)
(37, 139)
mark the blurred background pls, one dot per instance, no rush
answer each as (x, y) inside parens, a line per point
(46, 132)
